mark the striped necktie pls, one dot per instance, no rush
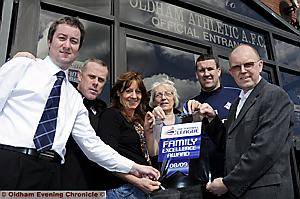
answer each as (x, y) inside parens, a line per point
(44, 135)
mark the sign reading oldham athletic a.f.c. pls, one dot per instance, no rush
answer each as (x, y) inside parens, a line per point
(180, 141)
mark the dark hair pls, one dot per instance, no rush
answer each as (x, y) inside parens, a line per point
(71, 21)
(204, 57)
(123, 82)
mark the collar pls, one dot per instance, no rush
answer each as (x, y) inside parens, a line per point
(96, 103)
(53, 68)
(243, 95)
(217, 90)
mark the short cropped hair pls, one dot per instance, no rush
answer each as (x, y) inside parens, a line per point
(98, 61)
(204, 57)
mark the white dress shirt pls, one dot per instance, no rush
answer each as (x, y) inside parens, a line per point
(25, 85)
(243, 97)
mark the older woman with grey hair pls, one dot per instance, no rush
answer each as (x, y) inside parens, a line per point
(165, 96)
(163, 100)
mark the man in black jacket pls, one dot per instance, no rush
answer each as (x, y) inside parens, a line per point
(257, 137)
(78, 171)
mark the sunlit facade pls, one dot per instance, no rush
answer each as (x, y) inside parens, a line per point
(161, 38)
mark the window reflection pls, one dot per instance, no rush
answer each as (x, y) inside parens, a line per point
(1, 7)
(291, 84)
(93, 45)
(156, 61)
(287, 54)
(226, 79)
(266, 75)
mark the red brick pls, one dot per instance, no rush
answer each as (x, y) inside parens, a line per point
(274, 5)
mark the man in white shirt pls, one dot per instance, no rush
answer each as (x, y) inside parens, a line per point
(25, 85)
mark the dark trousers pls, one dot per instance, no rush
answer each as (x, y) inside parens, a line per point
(24, 172)
(72, 174)
(191, 192)
(208, 195)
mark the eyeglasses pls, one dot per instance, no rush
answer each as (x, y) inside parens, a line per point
(161, 94)
(247, 66)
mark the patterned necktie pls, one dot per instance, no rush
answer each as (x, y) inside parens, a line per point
(45, 132)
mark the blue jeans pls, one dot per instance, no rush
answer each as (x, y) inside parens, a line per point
(127, 191)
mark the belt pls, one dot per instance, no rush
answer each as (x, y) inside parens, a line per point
(49, 155)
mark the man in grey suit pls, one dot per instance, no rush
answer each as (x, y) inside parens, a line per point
(257, 137)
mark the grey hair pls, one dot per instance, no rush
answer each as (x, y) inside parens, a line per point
(167, 83)
(98, 61)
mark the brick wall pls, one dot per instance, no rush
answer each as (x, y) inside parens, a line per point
(274, 4)
(277, 5)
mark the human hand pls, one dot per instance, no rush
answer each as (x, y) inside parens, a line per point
(217, 187)
(144, 171)
(25, 54)
(149, 122)
(205, 110)
(147, 185)
(193, 106)
(159, 114)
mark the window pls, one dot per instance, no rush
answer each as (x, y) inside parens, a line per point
(226, 79)
(94, 46)
(266, 75)
(1, 7)
(157, 61)
(288, 54)
(291, 84)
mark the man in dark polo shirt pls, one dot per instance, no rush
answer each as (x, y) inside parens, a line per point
(210, 165)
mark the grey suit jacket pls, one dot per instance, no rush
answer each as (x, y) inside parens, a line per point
(258, 144)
